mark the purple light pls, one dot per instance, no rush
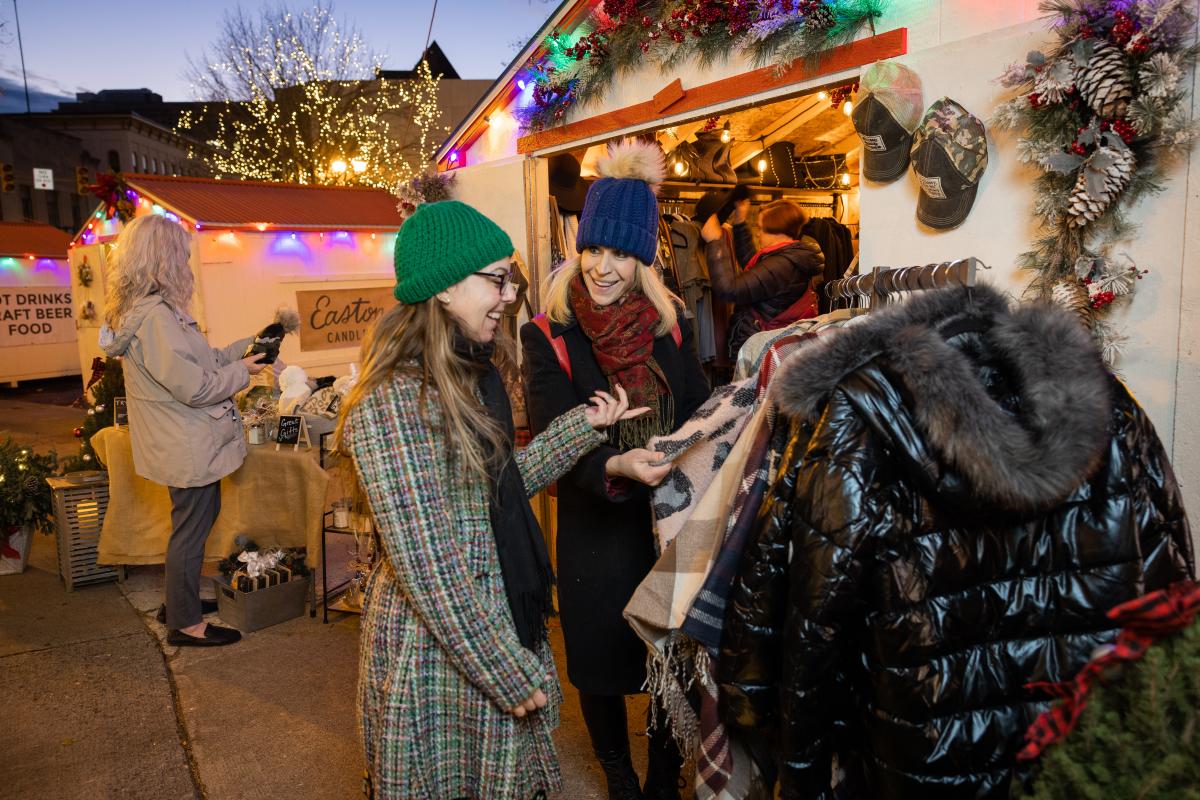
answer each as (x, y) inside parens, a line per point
(521, 85)
(454, 157)
(198, 226)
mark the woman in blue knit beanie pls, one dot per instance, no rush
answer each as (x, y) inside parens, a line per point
(457, 688)
(616, 326)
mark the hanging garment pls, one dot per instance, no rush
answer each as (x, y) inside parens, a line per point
(694, 282)
(704, 510)
(966, 491)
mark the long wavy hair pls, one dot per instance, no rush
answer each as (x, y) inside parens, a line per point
(151, 256)
(418, 340)
(558, 293)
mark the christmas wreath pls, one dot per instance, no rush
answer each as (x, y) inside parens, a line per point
(576, 68)
(114, 192)
(429, 188)
(1100, 113)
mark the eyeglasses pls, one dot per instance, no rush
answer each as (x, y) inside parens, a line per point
(501, 282)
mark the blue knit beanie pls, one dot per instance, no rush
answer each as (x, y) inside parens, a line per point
(621, 210)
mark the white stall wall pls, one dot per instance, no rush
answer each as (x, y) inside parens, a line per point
(30, 361)
(244, 276)
(1159, 361)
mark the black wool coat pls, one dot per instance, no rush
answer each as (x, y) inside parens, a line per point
(605, 541)
(966, 493)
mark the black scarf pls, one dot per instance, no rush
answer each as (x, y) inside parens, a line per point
(524, 562)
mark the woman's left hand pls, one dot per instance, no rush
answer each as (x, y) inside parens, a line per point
(607, 410)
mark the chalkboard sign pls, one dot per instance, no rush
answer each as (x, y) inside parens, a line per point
(292, 430)
(120, 411)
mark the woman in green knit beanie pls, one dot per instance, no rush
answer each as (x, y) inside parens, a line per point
(457, 688)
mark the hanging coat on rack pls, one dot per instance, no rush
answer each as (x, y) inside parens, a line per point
(967, 491)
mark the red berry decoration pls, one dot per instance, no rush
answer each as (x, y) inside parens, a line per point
(79, 433)
(1125, 130)
(1035, 100)
(1124, 29)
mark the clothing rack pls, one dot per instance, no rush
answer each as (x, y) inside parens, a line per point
(875, 289)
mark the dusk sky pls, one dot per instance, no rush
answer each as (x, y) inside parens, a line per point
(84, 45)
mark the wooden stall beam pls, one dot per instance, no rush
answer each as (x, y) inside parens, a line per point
(843, 57)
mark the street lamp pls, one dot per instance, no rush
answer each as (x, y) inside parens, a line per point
(359, 165)
(337, 166)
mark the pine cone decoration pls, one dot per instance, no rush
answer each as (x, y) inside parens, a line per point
(1104, 83)
(1073, 297)
(820, 18)
(1106, 182)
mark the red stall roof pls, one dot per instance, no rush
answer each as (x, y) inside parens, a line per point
(244, 204)
(35, 239)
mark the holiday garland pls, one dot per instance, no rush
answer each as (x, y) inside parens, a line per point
(576, 69)
(1101, 113)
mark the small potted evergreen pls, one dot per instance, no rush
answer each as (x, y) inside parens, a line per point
(25, 502)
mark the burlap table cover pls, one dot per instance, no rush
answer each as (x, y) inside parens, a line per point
(275, 498)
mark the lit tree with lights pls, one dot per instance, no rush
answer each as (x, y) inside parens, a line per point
(296, 97)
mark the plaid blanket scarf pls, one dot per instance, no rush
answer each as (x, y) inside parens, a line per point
(705, 511)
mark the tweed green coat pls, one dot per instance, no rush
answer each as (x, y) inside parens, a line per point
(440, 659)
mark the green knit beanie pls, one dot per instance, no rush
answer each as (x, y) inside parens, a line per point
(442, 243)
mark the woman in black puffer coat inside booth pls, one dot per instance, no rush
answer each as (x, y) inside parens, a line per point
(778, 284)
(966, 491)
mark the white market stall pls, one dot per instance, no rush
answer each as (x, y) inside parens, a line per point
(958, 49)
(325, 251)
(37, 315)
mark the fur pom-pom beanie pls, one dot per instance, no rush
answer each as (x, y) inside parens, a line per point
(621, 210)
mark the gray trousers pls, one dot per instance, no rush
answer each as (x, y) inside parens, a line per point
(194, 510)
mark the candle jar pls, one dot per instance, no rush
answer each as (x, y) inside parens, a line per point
(257, 433)
(341, 514)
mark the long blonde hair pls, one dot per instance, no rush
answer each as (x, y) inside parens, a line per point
(558, 293)
(418, 339)
(150, 257)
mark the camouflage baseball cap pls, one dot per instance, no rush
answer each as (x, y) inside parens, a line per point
(949, 155)
(887, 109)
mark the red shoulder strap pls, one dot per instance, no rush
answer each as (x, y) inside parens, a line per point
(677, 335)
(556, 343)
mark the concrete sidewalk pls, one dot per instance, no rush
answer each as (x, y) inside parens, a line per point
(98, 706)
(95, 705)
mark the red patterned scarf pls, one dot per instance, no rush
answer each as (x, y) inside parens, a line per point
(622, 337)
(1144, 620)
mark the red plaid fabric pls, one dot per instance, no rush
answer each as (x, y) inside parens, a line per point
(1143, 620)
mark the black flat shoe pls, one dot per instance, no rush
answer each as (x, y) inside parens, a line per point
(214, 636)
(206, 607)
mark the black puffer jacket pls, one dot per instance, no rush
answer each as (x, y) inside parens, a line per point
(966, 492)
(780, 278)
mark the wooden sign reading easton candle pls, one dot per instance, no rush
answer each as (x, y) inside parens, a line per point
(334, 318)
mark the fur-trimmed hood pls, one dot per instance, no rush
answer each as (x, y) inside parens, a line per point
(1023, 461)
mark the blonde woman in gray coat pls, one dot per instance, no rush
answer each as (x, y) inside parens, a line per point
(183, 423)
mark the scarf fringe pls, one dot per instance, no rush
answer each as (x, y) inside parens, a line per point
(671, 672)
(637, 432)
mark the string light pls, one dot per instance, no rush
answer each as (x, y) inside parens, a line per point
(726, 134)
(293, 108)
(762, 166)
(359, 165)
(822, 95)
(848, 108)
(845, 179)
